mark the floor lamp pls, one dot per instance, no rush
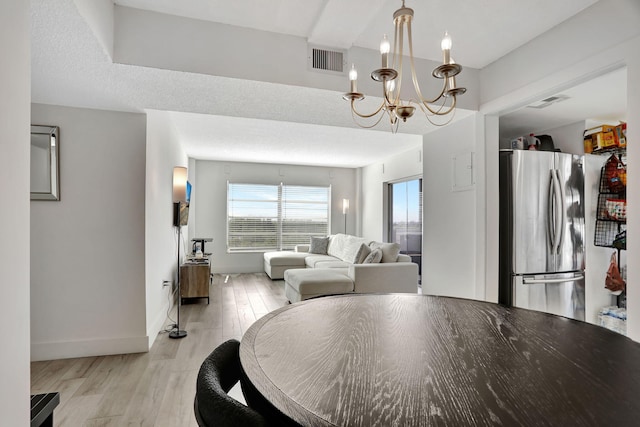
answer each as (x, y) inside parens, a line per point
(345, 210)
(179, 200)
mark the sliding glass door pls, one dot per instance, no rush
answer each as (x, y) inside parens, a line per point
(405, 217)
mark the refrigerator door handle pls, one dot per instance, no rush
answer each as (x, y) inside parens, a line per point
(556, 217)
(550, 214)
(560, 208)
(529, 281)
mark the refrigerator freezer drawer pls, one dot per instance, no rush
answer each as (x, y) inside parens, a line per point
(560, 294)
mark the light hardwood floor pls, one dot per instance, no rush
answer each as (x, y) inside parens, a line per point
(157, 388)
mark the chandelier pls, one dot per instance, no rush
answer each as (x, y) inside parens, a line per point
(391, 79)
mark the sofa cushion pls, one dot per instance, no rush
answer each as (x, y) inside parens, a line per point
(318, 281)
(312, 260)
(336, 263)
(319, 245)
(344, 246)
(301, 248)
(390, 251)
(285, 258)
(374, 257)
(361, 254)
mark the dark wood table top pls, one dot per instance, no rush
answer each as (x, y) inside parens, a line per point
(413, 360)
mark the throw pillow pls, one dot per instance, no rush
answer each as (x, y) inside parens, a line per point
(319, 245)
(361, 255)
(390, 251)
(374, 257)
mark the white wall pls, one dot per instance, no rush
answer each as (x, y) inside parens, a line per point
(163, 153)
(450, 220)
(87, 250)
(374, 181)
(486, 144)
(210, 197)
(15, 87)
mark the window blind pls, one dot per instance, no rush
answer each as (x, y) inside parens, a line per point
(275, 217)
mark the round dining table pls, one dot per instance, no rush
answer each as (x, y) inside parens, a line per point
(417, 360)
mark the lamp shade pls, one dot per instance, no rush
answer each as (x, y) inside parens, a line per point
(179, 184)
(345, 206)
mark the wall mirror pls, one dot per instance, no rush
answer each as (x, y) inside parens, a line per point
(45, 178)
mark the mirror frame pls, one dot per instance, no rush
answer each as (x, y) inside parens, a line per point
(54, 161)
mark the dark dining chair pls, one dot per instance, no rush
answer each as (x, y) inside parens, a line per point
(219, 372)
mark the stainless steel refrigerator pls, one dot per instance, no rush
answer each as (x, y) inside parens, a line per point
(542, 231)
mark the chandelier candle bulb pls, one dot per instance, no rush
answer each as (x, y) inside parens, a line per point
(353, 78)
(391, 85)
(446, 47)
(385, 48)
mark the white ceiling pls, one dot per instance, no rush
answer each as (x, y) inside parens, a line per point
(291, 124)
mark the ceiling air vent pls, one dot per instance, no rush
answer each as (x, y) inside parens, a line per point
(548, 101)
(326, 60)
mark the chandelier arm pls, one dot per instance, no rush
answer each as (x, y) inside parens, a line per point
(394, 126)
(426, 109)
(354, 113)
(397, 40)
(434, 112)
(398, 55)
(425, 102)
(416, 85)
(365, 116)
(441, 124)
(427, 112)
(438, 112)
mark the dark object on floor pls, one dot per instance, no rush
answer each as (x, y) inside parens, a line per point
(42, 406)
(219, 372)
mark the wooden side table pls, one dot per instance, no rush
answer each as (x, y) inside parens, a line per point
(194, 280)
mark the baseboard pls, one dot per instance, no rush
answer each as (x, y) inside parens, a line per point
(237, 269)
(87, 348)
(158, 323)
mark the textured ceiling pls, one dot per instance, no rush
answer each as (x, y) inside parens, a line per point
(239, 139)
(296, 124)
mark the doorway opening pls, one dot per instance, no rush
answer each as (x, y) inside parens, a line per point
(405, 218)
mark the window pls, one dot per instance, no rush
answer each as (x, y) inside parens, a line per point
(275, 217)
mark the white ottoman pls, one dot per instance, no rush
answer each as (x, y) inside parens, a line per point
(302, 284)
(276, 263)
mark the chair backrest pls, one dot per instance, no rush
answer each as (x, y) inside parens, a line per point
(219, 372)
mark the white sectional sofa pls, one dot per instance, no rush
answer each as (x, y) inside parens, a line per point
(345, 267)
